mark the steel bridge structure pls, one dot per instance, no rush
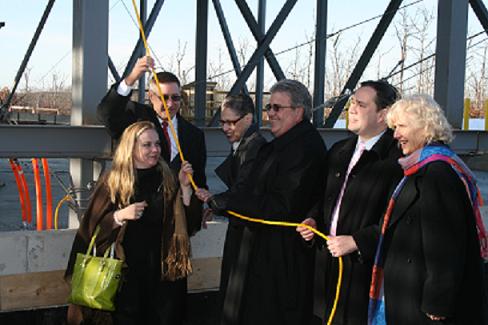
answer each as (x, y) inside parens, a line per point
(87, 144)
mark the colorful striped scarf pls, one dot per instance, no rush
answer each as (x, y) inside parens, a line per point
(411, 165)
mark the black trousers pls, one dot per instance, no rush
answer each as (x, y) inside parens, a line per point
(140, 303)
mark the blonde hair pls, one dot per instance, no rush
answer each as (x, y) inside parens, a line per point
(426, 114)
(121, 178)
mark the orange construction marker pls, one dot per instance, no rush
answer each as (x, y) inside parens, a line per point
(37, 182)
(18, 181)
(49, 196)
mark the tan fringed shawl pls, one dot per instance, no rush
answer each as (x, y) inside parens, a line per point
(175, 250)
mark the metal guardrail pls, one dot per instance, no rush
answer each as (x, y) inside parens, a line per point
(93, 142)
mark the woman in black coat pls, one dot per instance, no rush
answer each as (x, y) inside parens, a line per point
(139, 207)
(236, 121)
(428, 267)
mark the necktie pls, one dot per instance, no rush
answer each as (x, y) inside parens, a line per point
(354, 159)
(166, 135)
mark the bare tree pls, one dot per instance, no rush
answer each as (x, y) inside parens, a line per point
(243, 50)
(423, 47)
(341, 61)
(477, 75)
(218, 73)
(295, 68)
(403, 32)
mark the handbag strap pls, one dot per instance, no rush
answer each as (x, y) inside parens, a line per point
(110, 250)
(92, 241)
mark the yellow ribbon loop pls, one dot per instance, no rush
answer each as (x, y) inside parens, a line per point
(315, 231)
(266, 222)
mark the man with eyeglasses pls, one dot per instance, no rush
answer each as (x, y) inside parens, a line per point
(117, 112)
(236, 121)
(362, 172)
(285, 181)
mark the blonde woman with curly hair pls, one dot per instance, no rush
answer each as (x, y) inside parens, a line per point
(428, 265)
(139, 206)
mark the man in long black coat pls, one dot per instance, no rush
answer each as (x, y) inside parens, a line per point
(236, 121)
(117, 112)
(285, 181)
(355, 198)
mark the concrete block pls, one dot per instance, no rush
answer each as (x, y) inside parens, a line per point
(209, 242)
(13, 257)
(49, 250)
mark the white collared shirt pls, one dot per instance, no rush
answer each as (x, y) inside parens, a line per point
(368, 144)
(124, 90)
(174, 149)
(235, 146)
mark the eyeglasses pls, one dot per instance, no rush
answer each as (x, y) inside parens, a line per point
(175, 98)
(231, 123)
(275, 107)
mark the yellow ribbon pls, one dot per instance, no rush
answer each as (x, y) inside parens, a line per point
(266, 222)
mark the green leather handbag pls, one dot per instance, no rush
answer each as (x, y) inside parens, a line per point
(95, 280)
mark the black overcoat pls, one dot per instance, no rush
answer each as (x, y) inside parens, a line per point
(233, 171)
(432, 255)
(370, 182)
(285, 182)
(117, 112)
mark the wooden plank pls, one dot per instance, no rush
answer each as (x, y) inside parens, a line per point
(47, 289)
(33, 290)
(206, 274)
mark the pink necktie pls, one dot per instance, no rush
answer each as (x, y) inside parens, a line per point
(335, 214)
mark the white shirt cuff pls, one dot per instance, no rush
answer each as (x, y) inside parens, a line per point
(117, 222)
(123, 89)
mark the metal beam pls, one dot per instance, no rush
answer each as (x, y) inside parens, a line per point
(228, 39)
(320, 54)
(263, 47)
(363, 61)
(450, 66)
(259, 36)
(89, 80)
(27, 56)
(479, 9)
(27, 141)
(232, 53)
(142, 51)
(260, 65)
(93, 142)
(113, 69)
(147, 30)
(201, 62)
